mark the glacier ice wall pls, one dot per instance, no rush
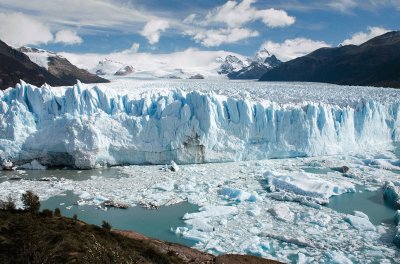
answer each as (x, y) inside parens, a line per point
(84, 127)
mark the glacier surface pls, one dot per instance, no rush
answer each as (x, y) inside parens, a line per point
(133, 122)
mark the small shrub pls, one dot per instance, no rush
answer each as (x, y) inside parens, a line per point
(57, 212)
(47, 213)
(31, 202)
(106, 225)
(8, 205)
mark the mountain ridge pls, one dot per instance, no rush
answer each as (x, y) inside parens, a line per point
(373, 63)
(16, 65)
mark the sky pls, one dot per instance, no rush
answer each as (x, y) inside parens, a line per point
(286, 28)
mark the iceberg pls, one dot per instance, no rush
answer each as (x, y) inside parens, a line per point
(307, 185)
(391, 194)
(360, 221)
(85, 127)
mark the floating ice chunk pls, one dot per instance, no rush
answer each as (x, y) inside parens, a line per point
(255, 211)
(166, 186)
(386, 164)
(319, 218)
(361, 214)
(360, 223)
(200, 224)
(307, 184)
(6, 165)
(192, 234)
(174, 166)
(396, 239)
(336, 257)
(99, 199)
(397, 217)
(33, 165)
(282, 212)
(238, 194)
(255, 246)
(85, 195)
(212, 211)
(391, 194)
(302, 259)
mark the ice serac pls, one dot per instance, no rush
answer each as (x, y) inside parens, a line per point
(88, 126)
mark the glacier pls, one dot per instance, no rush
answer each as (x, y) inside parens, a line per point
(128, 122)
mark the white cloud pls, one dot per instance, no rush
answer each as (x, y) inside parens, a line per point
(68, 37)
(153, 29)
(225, 23)
(190, 19)
(293, 48)
(133, 49)
(235, 14)
(93, 14)
(361, 37)
(18, 29)
(216, 37)
(343, 5)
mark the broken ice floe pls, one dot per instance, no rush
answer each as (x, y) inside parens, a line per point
(237, 204)
(316, 189)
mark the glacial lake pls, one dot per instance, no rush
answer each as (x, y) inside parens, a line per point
(369, 202)
(153, 223)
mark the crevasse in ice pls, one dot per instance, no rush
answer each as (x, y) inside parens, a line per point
(84, 126)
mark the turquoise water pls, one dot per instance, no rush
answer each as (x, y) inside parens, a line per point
(317, 170)
(152, 223)
(77, 175)
(369, 202)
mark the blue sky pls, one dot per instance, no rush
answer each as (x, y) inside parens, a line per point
(289, 28)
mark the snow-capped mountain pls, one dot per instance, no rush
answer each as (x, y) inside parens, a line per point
(261, 55)
(110, 67)
(231, 64)
(38, 67)
(125, 71)
(253, 68)
(39, 56)
(59, 66)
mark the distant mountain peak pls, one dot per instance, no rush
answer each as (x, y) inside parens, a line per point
(37, 67)
(262, 55)
(107, 66)
(231, 64)
(254, 68)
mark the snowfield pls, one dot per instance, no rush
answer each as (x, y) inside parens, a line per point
(154, 122)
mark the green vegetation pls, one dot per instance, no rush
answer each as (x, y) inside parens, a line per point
(27, 236)
(57, 212)
(106, 225)
(30, 236)
(38, 238)
(9, 204)
(31, 202)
